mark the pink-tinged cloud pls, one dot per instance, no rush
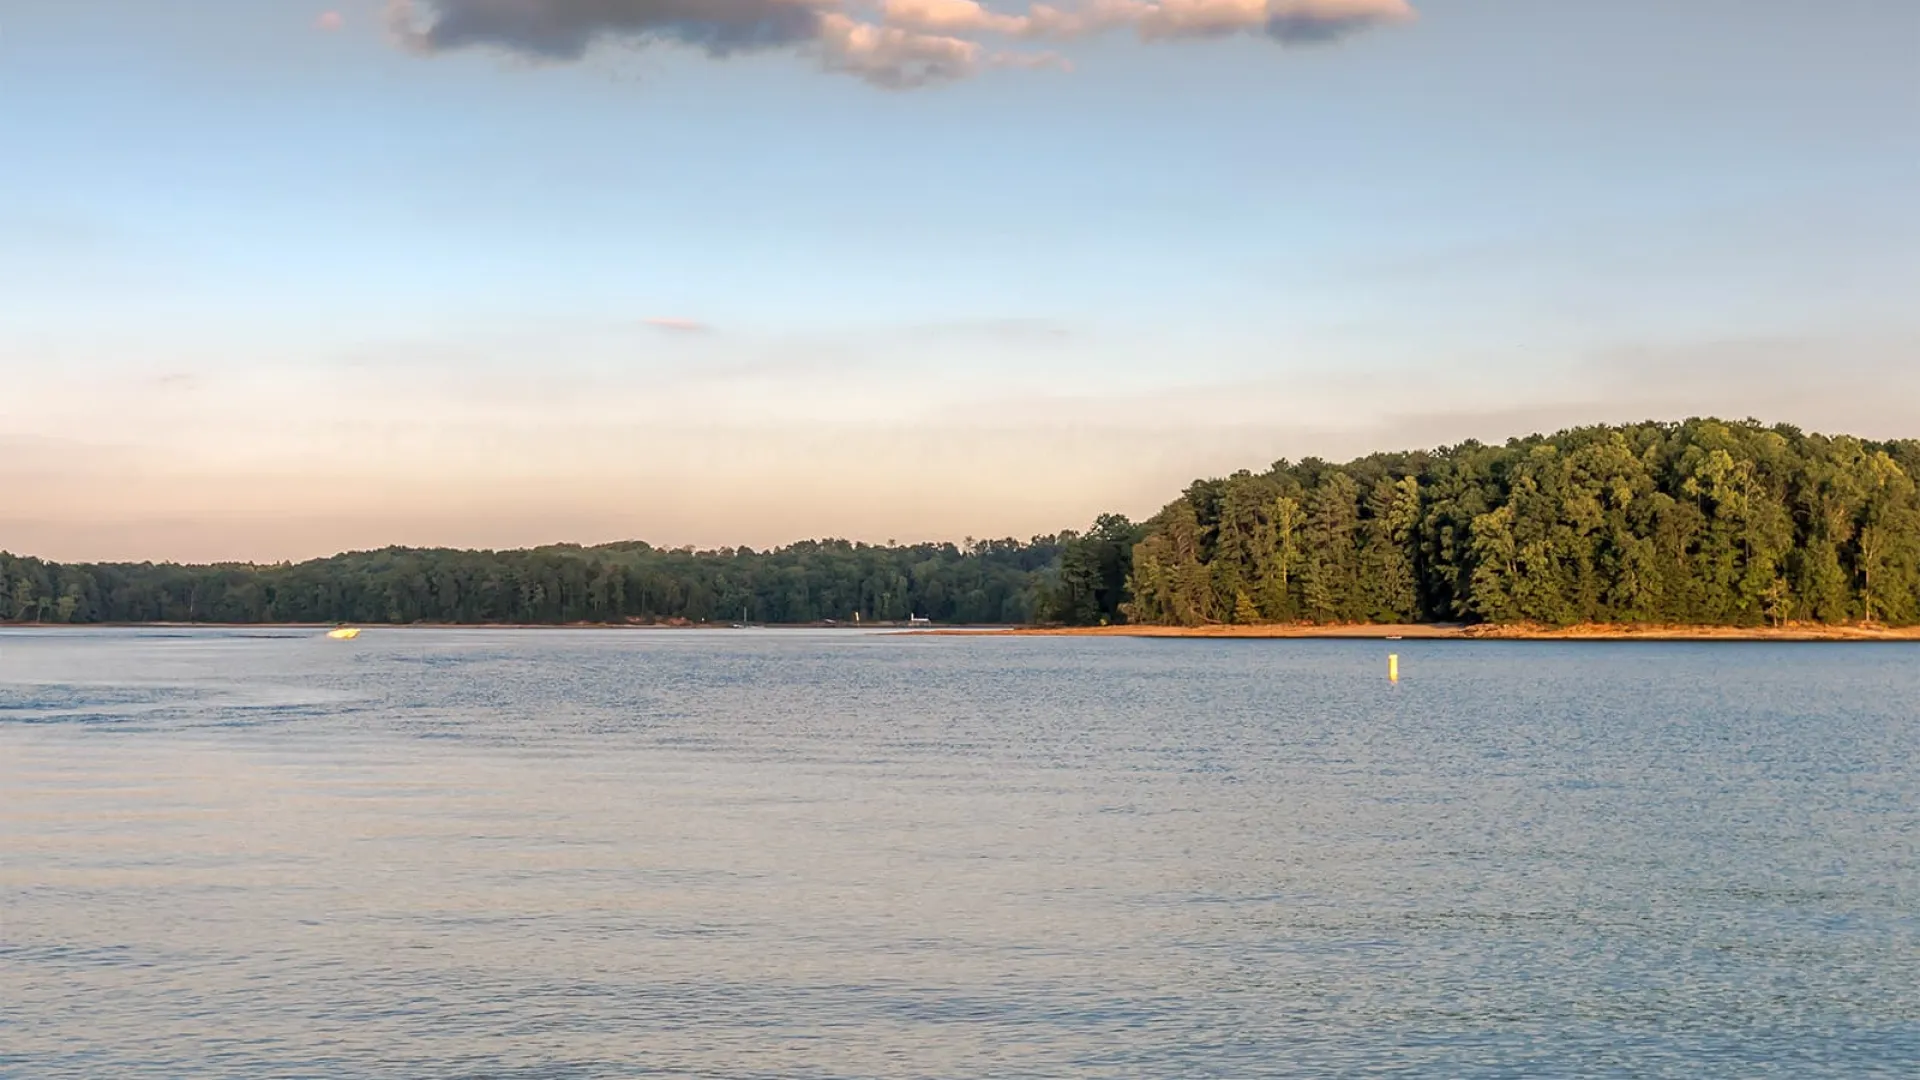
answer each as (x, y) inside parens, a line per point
(952, 17)
(894, 44)
(897, 59)
(1289, 21)
(673, 324)
(1293, 21)
(329, 21)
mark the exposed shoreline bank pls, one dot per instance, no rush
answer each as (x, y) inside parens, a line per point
(1455, 632)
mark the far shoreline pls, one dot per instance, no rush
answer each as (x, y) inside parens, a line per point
(1461, 632)
(1792, 632)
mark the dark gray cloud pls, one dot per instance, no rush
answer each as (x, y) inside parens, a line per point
(566, 29)
(912, 43)
(1292, 22)
(1316, 29)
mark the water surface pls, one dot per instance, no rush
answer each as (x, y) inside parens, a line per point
(807, 855)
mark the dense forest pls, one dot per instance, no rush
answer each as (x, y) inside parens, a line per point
(1702, 522)
(989, 581)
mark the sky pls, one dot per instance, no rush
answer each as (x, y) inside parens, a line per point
(281, 278)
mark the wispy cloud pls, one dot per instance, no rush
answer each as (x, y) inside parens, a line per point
(674, 324)
(176, 382)
(329, 21)
(1293, 21)
(894, 44)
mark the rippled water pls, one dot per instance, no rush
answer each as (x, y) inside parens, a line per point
(797, 855)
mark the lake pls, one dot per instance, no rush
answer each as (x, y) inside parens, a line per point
(797, 854)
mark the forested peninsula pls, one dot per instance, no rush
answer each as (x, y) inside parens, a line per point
(1704, 523)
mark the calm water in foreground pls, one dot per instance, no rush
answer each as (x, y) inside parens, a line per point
(799, 855)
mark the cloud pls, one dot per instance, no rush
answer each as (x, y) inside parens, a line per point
(893, 58)
(1290, 21)
(176, 382)
(952, 17)
(565, 29)
(676, 325)
(329, 21)
(1293, 22)
(913, 43)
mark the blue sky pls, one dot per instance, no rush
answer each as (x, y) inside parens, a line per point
(274, 284)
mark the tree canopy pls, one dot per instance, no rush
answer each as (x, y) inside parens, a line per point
(1704, 522)
(987, 581)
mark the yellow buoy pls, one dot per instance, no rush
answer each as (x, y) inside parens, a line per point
(1393, 667)
(345, 633)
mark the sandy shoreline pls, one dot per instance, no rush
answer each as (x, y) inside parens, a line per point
(1452, 632)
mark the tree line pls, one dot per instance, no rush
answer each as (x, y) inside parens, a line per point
(1704, 522)
(986, 581)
